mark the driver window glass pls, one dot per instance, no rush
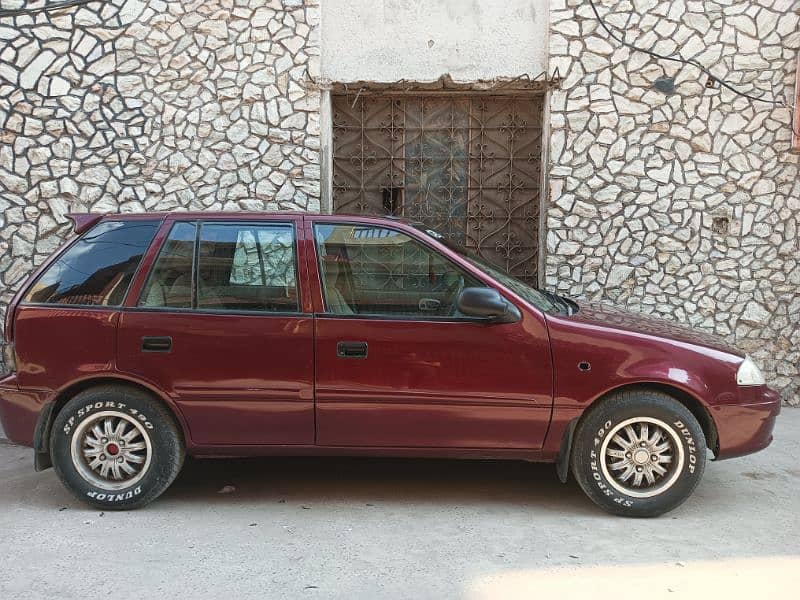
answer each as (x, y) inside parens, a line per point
(369, 270)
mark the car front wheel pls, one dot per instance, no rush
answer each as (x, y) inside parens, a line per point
(115, 447)
(638, 453)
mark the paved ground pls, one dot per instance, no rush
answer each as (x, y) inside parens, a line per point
(335, 528)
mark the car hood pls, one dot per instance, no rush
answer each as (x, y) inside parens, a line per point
(608, 316)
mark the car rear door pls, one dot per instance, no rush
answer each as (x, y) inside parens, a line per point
(219, 319)
(396, 366)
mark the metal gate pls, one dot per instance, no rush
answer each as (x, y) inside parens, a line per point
(467, 166)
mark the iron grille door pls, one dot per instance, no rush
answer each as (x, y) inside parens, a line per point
(467, 166)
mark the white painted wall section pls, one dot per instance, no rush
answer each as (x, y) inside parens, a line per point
(419, 40)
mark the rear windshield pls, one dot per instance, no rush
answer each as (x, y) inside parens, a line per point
(98, 268)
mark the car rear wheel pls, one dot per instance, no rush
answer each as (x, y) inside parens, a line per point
(638, 453)
(115, 447)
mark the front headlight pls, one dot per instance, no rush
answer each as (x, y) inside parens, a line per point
(749, 373)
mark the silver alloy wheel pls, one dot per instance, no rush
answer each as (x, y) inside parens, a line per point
(111, 450)
(642, 457)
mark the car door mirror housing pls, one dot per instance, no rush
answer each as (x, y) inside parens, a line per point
(487, 303)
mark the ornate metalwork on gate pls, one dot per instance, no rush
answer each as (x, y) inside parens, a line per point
(467, 166)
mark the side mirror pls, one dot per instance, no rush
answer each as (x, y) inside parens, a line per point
(488, 304)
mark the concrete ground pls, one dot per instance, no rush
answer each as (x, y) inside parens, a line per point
(368, 528)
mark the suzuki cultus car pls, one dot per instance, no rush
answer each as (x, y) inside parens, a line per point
(152, 336)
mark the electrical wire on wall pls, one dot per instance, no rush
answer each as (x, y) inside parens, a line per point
(46, 7)
(671, 57)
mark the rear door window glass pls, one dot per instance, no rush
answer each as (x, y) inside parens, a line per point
(237, 267)
(247, 267)
(170, 281)
(98, 268)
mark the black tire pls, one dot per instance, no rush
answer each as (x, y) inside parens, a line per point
(144, 418)
(595, 450)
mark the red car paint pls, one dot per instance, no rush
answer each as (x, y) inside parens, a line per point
(272, 384)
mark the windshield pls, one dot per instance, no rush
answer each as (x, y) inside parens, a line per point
(543, 300)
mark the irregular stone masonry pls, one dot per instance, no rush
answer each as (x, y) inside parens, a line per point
(683, 204)
(152, 105)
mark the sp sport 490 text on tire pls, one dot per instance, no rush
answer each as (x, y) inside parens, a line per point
(638, 453)
(116, 447)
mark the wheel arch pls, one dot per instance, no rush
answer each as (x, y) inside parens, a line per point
(691, 402)
(697, 408)
(41, 442)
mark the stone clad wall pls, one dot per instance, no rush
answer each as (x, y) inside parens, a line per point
(682, 204)
(685, 205)
(152, 105)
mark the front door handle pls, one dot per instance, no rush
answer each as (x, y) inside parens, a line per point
(156, 344)
(351, 349)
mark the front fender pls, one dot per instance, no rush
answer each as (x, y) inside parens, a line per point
(591, 361)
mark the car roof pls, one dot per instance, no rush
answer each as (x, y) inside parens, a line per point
(83, 221)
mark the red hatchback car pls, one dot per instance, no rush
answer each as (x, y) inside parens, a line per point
(151, 336)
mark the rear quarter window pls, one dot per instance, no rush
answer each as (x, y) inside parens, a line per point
(98, 268)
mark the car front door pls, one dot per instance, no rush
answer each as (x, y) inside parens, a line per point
(219, 324)
(398, 366)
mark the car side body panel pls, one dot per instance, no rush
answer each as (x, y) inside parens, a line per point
(432, 384)
(20, 410)
(59, 344)
(237, 379)
(619, 357)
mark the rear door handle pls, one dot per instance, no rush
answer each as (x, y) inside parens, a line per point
(351, 349)
(156, 344)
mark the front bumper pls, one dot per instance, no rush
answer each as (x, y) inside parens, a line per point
(747, 427)
(19, 410)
